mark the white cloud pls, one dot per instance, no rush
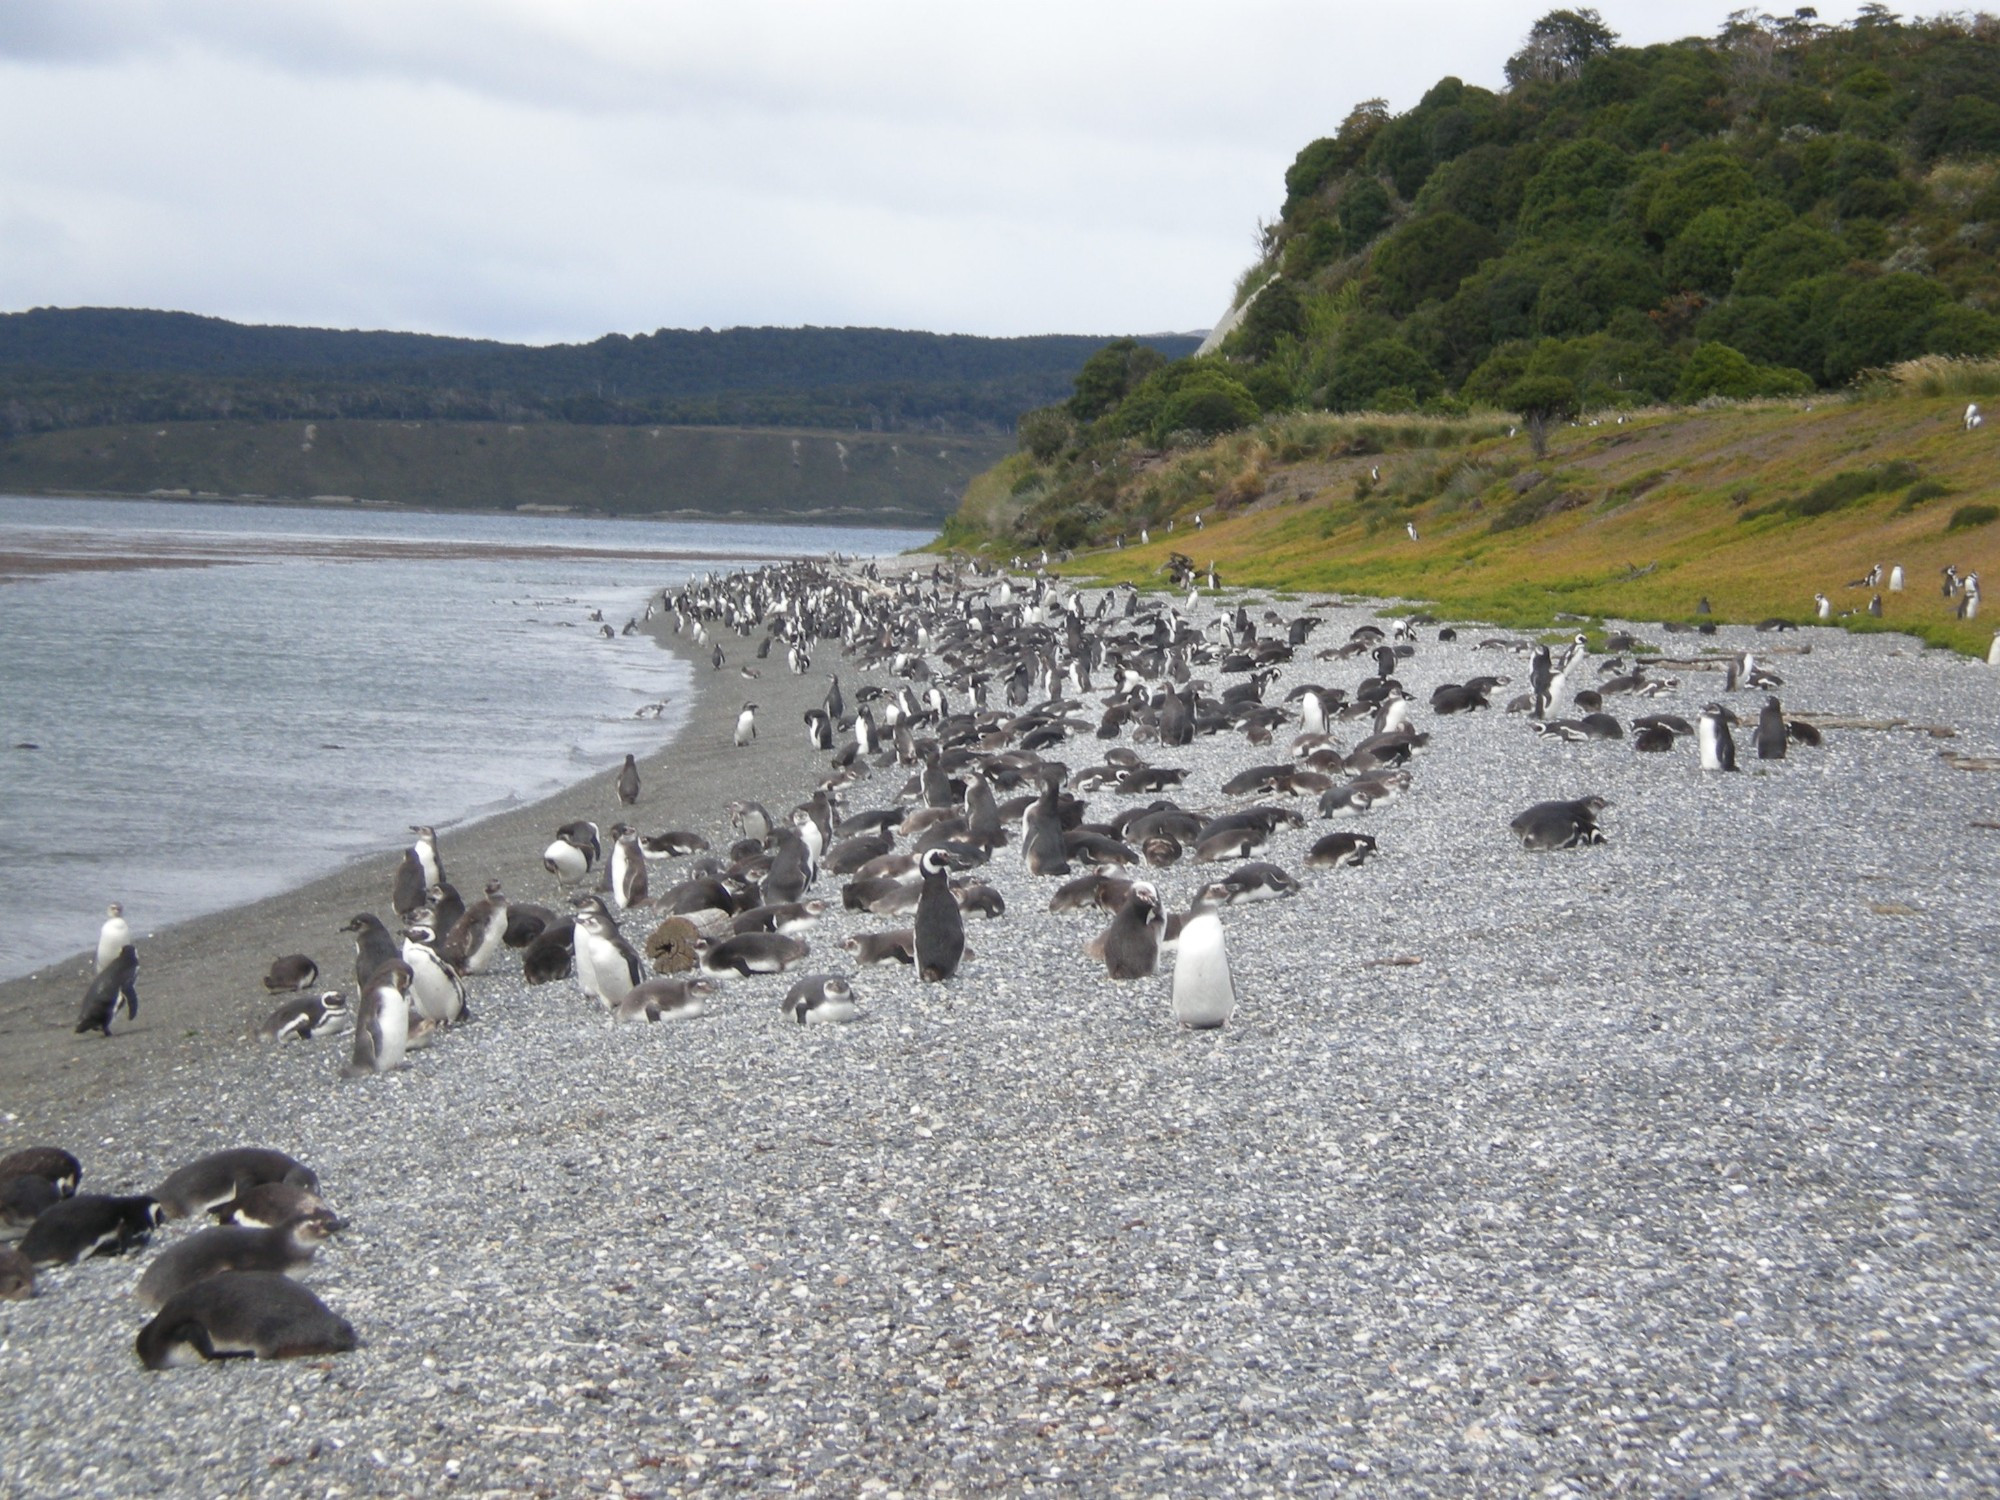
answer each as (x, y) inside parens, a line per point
(553, 170)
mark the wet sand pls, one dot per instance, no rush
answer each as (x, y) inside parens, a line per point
(201, 981)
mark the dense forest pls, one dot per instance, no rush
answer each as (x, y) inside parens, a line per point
(83, 367)
(1771, 211)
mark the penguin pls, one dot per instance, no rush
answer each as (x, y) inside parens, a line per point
(1342, 850)
(112, 936)
(294, 971)
(324, 1014)
(475, 939)
(750, 953)
(220, 1177)
(673, 843)
(1204, 994)
(628, 782)
(550, 954)
(1823, 606)
(1541, 678)
(1770, 734)
(420, 870)
(1130, 946)
(751, 820)
(231, 1247)
(1718, 748)
(1560, 825)
(899, 944)
(89, 1224)
(938, 931)
(436, 992)
(273, 1205)
(240, 1314)
(1258, 882)
(17, 1275)
(1043, 849)
(115, 984)
(789, 917)
(819, 997)
(53, 1164)
(627, 873)
(607, 966)
(746, 725)
(1896, 579)
(444, 909)
(573, 853)
(836, 705)
(374, 949)
(673, 999)
(819, 729)
(1411, 528)
(381, 1023)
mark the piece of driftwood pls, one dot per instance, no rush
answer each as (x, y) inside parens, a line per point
(1959, 761)
(1400, 961)
(670, 946)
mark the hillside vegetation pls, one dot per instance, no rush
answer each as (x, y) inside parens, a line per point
(1754, 507)
(1768, 212)
(82, 367)
(616, 470)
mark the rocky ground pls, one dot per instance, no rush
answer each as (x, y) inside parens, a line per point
(1667, 1168)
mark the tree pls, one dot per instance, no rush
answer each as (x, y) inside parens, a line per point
(1109, 374)
(1542, 401)
(1045, 431)
(1274, 313)
(1209, 404)
(1361, 376)
(1559, 45)
(1718, 370)
(1429, 258)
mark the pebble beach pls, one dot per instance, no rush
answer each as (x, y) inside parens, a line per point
(1661, 1167)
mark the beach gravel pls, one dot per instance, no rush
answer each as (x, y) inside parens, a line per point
(1668, 1168)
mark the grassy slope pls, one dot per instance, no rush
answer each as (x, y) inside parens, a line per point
(1696, 471)
(901, 478)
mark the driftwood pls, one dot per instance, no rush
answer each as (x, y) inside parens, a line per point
(1959, 761)
(670, 946)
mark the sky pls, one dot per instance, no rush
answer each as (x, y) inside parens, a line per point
(550, 170)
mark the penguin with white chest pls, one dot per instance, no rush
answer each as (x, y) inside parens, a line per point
(475, 939)
(112, 936)
(1204, 994)
(1717, 745)
(746, 725)
(422, 868)
(607, 966)
(628, 868)
(324, 1014)
(381, 1023)
(436, 992)
(820, 997)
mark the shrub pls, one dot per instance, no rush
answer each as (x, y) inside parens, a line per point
(1210, 405)
(1363, 377)
(1718, 370)
(1045, 432)
(1918, 493)
(1968, 516)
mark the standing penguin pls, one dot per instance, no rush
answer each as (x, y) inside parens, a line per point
(628, 782)
(836, 705)
(475, 938)
(112, 936)
(939, 929)
(1131, 945)
(1771, 734)
(1042, 847)
(746, 725)
(1718, 748)
(607, 966)
(436, 992)
(374, 949)
(100, 1001)
(1541, 674)
(421, 869)
(381, 1023)
(628, 868)
(1204, 992)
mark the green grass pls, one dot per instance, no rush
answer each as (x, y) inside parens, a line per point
(1757, 507)
(751, 473)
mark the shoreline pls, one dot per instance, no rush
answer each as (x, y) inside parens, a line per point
(200, 979)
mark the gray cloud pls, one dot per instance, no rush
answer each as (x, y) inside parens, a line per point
(554, 169)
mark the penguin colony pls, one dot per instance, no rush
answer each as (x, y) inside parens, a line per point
(1006, 720)
(222, 1292)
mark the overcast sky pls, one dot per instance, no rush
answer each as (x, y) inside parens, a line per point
(548, 170)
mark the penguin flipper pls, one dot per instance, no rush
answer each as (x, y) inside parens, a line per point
(131, 997)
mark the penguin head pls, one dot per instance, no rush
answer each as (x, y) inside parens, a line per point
(1144, 897)
(934, 862)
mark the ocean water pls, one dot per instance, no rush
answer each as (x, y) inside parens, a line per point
(227, 701)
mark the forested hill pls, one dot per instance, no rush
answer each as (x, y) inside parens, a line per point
(74, 367)
(1767, 211)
